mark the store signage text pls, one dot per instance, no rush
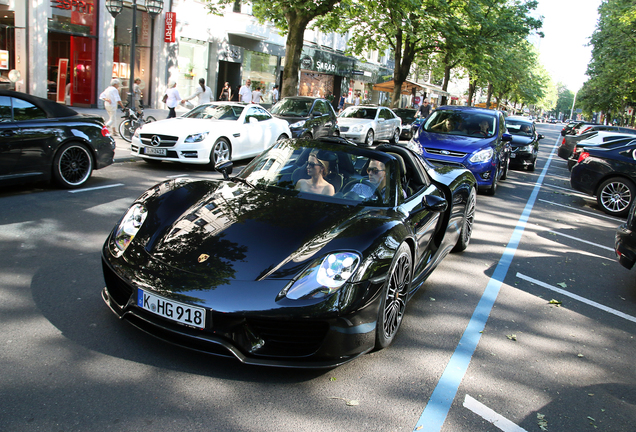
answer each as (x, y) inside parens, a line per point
(325, 67)
(80, 6)
(169, 33)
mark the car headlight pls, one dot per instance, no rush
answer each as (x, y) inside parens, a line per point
(482, 156)
(137, 132)
(196, 137)
(357, 128)
(128, 228)
(528, 148)
(298, 124)
(324, 277)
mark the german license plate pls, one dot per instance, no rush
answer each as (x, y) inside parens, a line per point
(175, 311)
(155, 151)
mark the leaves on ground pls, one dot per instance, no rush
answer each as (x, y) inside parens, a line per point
(542, 422)
(348, 402)
(558, 303)
(562, 284)
(512, 337)
(332, 379)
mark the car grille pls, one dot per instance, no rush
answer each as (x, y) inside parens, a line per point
(441, 163)
(166, 140)
(118, 290)
(344, 128)
(289, 338)
(441, 152)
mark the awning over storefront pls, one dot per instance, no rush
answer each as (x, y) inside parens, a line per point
(407, 87)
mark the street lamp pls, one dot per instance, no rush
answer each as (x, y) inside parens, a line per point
(114, 7)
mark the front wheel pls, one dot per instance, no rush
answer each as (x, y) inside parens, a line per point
(394, 296)
(127, 129)
(493, 187)
(221, 152)
(504, 174)
(615, 196)
(370, 138)
(72, 166)
(396, 137)
(467, 223)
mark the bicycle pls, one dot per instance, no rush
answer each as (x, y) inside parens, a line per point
(131, 121)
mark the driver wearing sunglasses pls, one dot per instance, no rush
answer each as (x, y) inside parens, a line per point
(377, 177)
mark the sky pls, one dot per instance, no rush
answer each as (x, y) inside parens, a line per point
(567, 25)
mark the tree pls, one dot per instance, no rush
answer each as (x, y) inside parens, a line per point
(290, 17)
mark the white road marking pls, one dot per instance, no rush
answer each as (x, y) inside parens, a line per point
(570, 191)
(578, 297)
(491, 416)
(95, 188)
(581, 240)
(583, 211)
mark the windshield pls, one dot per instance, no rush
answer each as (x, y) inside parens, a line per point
(215, 112)
(519, 127)
(359, 112)
(455, 122)
(407, 116)
(336, 173)
(292, 107)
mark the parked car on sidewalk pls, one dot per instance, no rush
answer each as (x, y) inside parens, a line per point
(525, 142)
(210, 134)
(366, 124)
(41, 140)
(469, 137)
(608, 174)
(275, 274)
(308, 117)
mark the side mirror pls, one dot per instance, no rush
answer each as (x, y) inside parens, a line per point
(433, 203)
(226, 169)
(540, 137)
(506, 137)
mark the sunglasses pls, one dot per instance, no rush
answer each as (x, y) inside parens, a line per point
(373, 171)
(313, 164)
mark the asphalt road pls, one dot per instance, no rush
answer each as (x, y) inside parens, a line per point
(480, 344)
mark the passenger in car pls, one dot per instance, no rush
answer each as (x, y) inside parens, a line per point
(317, 170)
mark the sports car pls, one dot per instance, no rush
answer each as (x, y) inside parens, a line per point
(210, 134)
(261, 268)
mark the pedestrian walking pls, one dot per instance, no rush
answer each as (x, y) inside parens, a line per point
(137, 95)
(341, 103)
(275, 94)
(203, 93)
(245, 93)
(257, 96)
(226, 92)
(111, 99)
(173, 99)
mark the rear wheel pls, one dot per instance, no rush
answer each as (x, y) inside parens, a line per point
(467, 223)
(396, 137)
(370, 138)
(394, 295)
(72, 166)
(615, 196)
(221, 152)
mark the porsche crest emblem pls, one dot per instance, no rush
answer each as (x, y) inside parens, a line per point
(203, 257)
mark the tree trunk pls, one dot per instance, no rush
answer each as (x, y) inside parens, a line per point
(293, 50)
(403, 60)
(471, 90)
(447, 72)
(489, 97)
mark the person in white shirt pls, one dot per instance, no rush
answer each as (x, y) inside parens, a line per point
(202, 92)
(245, 93)
(356, 99)
(173, 99)
(275, 94)
(111, 99)
(137, 95)
(257, 96)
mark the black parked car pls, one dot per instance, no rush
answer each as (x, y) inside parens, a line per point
(42, 140)
(625, 244)
(261, 268)
(585, 145)
(609, 174)
(568, 142)
(308, 117)
(408, 118)
(525, 142)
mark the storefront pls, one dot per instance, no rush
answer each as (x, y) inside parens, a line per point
(324, 74)
(72, 48)
(7, 44)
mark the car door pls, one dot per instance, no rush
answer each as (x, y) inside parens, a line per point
(10, 149)
(320, 120)
(257, 133)
(38, 136)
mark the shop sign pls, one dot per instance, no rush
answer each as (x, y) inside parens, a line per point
(62, 73)
(80, 6)
(4, 59)
(169, 30)
(325, 67)
(307, 63)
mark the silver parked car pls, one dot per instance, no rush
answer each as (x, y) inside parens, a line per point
(365, 124)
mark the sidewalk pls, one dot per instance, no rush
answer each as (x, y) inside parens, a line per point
(122, 151)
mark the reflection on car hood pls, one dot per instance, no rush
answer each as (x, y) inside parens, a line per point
(236, 232)
(520, 140)
(183, 126)
(342, 121)
(452, 142)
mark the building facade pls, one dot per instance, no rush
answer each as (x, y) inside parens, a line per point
(69, 50)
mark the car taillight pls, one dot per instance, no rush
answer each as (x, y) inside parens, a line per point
(105, 131)
(584, 130)
(563, 142)
(583, 156)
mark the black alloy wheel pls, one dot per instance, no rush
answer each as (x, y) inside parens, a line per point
(467, 223)
(493, 187)
(394, 296)
(504, 174)
(72, 166)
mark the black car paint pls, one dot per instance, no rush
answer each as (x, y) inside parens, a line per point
(625, 240)
(28, 147)
(264, 227)
(316, 124)
(408, 117)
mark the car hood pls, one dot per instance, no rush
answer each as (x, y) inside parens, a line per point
(452, 142)
(181, 126)
(342, 121)
(518, 140)
(229, 231)
(290, 118)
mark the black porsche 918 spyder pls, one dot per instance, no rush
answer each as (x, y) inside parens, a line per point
(261, 267)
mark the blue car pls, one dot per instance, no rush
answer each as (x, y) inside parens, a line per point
(474, 138)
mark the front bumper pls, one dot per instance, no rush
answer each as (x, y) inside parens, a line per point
(195, 153)
(625, 246)
(297, 337)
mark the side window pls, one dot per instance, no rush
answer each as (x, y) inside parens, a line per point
(261, 114)
(319, 108)
(23, 110)
(5, 109)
